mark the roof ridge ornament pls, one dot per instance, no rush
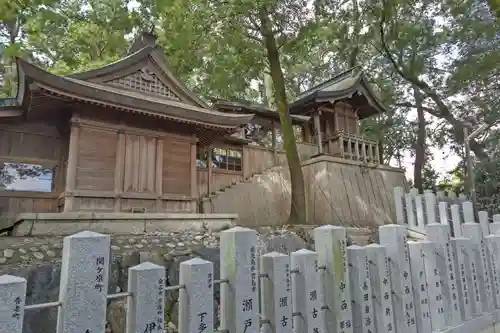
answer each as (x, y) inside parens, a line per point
(147, 74)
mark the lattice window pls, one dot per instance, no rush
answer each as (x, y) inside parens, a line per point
(145, 81)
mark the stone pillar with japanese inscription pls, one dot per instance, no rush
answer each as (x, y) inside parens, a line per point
(145, 309)
(495, 226)
(468, 212)
(361, 291)
(12, 300)
(493, 251)
(419, 280)
(307, 298)
(455, 220)
(463, 269)
(394, 238)
(381, 288)
(484, 222)
(239, 296)
(480, 258)
(430, 207)
(419, 208)
(433, 286)
(84, 283)
(443, 213)
(410, 209)
(399, 204)
(330, 243)
(276, 293)
(196, 299)
(440, 235)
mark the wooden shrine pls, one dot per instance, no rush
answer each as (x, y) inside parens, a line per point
(129, 137)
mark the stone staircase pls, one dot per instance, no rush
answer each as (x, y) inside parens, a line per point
(265, 190)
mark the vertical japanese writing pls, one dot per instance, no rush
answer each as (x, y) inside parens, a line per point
(453, 287)
(486, 273)
(17, 308)
(463, 279)
(367, 299)
(253, 269)
(99, 279)
(410, 319)
(474, 281)
(493, 260)
(202, 326)
(159, 305)
(287, 277)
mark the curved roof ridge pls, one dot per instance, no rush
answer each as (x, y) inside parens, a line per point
(127, 61)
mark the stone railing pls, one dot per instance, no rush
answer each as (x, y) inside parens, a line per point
(441, 284)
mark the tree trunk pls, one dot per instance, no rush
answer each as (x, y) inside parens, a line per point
(420, 144)
(298, 202)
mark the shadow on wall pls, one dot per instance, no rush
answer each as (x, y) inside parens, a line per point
(338, 193)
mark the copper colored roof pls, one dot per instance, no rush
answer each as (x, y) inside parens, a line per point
(351, 84)
(32, 78)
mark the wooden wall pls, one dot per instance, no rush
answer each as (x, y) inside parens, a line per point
(123, 168)
(32, 143)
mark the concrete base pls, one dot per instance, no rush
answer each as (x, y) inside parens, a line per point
(486, 323)
(61, 224)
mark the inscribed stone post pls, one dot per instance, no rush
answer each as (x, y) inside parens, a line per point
(455, 220)
(330, 243)
(434, 287)
(480, 258)
(410, 210)
(443, 212)
(306, 296)
(196, 300)
(495, 226)
(361, 291)
(419, 207)
(394, 238)
(419, 287)
(493, 252)
(276, 291)
(484, 223)
(440, 235)
(461, 249)
(399, 204)
(239, 300)
(12, 299)
(145, 309)
(84, 283)
(381, 288)
(468, 212)
(430, 207)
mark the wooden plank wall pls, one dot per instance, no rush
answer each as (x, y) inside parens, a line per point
(120, 168)
(32, 143)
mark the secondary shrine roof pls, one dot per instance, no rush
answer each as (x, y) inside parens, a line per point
(351, 85)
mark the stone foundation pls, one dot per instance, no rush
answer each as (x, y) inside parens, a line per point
(63, 224)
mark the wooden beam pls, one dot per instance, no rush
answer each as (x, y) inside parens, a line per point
(72, 164)
(209, 170)
(194, 180)
(119, 168)
(159, 174)
(317, 127)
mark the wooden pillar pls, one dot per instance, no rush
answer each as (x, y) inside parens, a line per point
(307, 132)
(72, 164)
(317, 127)
(209, 170)
(159, 174)
(119, 167)
(194, 180)
(273, 138)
